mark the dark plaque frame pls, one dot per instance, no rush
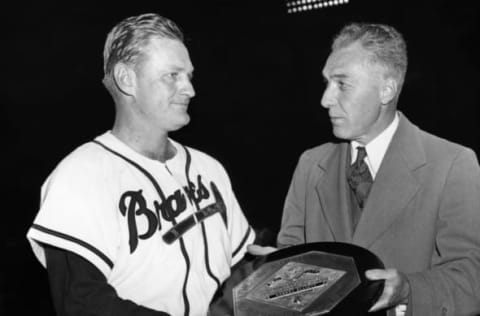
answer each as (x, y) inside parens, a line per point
(311, 279)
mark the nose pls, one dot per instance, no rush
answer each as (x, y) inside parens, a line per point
(187, 88)
(328, 97)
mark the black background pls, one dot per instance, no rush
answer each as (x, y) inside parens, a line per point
(258, 82)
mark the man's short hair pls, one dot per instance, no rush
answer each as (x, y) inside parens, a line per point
(385, 43)
(126, 41)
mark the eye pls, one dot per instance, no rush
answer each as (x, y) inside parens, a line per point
(172, 76)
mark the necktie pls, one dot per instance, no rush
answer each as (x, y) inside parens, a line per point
(359, 177)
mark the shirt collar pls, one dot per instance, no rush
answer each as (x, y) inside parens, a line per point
(377, 147)
(113, 142)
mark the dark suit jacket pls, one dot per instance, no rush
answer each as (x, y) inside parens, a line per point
(422, 216)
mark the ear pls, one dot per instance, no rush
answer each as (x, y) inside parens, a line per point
(389, 90)
(125, 78)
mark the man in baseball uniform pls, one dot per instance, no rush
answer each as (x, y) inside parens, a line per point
(134, 223)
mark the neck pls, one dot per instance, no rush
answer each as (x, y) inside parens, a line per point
(382, 123)
(152, 145)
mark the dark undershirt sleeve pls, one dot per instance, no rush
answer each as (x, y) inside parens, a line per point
(78, 288)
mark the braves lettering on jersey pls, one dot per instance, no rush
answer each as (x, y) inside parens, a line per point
(165, 235)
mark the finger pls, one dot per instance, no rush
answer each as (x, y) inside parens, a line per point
(374, 274)
(257, 250)
(260, 250)
(381, 303)
(376, 307)
(378, 274)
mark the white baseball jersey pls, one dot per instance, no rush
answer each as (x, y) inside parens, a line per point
(164, 234)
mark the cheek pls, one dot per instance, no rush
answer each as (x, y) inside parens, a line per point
(358, 108)
(159, 91)
(363, 101)
(348, 101)
(368, 115)
(168, 89)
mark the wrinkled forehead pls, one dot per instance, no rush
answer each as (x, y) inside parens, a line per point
(168, 51)
(350, 56)
(349, 59)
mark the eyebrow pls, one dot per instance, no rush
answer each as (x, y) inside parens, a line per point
(334, 77)
(338, 76)
(181, 69)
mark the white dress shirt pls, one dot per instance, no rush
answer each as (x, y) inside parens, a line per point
(376, 150)
(377, 147)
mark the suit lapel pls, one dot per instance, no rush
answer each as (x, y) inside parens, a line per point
(333, 196)
(394, 186)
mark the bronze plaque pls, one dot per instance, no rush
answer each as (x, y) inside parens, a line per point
(302, 280)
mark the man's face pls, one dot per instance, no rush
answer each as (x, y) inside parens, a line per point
(163, 85)
(352, 95)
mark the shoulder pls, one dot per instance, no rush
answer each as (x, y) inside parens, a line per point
(201, 155)
(89, 161)
(440, 149)
(203, 160)
(414, 141)
(89, 155)
(319, 154)
(209, 167)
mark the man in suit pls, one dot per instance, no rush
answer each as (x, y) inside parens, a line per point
(410, 197)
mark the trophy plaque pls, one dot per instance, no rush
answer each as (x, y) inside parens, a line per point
(325, 278)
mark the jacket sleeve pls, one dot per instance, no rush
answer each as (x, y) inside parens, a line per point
(452, 285)
(292, 230)
(78, 288)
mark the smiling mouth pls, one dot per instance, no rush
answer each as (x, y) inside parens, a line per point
(181, 104)
(335, 118)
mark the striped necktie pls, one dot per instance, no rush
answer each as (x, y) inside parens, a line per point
(359, 177)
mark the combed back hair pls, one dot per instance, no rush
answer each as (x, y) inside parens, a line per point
(386, 45)
(127, 39)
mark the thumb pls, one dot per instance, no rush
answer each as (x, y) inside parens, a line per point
(257, 250)
(376, 274)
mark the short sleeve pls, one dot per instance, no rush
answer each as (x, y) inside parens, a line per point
(77, 212)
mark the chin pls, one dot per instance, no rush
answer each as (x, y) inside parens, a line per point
(178, 125)
(341, 134)
(186, 120)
